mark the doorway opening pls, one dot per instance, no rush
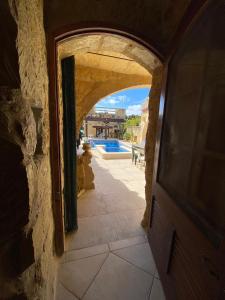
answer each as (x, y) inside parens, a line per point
(104, 64)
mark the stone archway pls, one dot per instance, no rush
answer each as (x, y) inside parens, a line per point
(100, 43)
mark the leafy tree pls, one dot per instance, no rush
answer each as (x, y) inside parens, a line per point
(133, 121)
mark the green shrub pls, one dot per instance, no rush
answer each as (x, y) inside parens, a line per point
(127, 136)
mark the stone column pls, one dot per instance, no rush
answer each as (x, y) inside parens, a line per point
(88, 182)
(80, 174)
(154, 100)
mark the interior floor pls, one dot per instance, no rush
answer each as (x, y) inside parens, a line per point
(109, 257)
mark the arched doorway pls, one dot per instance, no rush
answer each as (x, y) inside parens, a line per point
(87, 39)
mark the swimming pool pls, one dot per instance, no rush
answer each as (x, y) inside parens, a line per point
(111, 149)
(109, 145)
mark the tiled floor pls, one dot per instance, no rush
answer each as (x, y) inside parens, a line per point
(109, 258)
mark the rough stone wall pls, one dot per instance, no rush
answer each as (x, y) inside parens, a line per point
(153, 20)
(154, 101)
(39, 278)
(15, 149)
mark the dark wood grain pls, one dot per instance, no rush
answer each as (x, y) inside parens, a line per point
(197, 262)
(55, 148)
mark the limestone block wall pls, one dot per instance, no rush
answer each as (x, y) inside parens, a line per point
(153, 111)
(38, 279)
(17, 141)
(144, 126)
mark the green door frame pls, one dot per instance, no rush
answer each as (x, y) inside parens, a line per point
(69, 143)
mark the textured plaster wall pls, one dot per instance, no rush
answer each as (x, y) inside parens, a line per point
(39, 277)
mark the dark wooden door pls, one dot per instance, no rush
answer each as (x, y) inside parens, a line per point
(69, 142)
(187, 225)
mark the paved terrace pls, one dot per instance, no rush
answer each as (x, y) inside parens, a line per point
(109, 258)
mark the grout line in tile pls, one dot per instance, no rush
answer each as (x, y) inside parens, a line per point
(86, 247)
(150, 289)
(133, 264)
(72, 293)
(95, 276)
(144, 242)
(107, 243)
(157, 277)
(111, 213)
(69, 261)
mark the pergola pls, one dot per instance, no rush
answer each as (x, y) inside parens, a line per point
(101, 128)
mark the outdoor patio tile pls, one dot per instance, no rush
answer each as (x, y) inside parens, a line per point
(85, 252)
(77, 276)
(140, 256)
(157, 291)
(127, 242)
(119, 280)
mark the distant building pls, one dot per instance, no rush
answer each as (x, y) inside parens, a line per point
(105, 122)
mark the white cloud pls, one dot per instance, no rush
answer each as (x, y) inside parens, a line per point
(133, 110)
(123, 98)
(112, 100)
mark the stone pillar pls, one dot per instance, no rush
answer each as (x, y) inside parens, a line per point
(154, 100)
(88, 182)
(80, 174)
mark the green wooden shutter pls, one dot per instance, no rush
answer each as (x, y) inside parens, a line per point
(69, 139)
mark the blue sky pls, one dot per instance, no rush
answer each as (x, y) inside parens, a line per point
(131, 100)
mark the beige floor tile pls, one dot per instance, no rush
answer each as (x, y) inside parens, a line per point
(77, 276)
(157, 291)
(64, 294)
(127, 242)
(93, 231)
(91, 203)
(85, 252)
(106, 228)
(128, 201)
(110, 214)
(140, 256)
(119, 280)
(127, 224)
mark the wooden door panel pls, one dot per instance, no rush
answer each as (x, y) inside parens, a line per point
(187, 225)
(194, 272)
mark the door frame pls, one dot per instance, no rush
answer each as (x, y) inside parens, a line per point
(55, 139)
(79, 29)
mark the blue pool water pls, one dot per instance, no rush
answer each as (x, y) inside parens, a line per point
(110, 145)
(115, 149)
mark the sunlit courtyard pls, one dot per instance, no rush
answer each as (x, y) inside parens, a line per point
(109, 256)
